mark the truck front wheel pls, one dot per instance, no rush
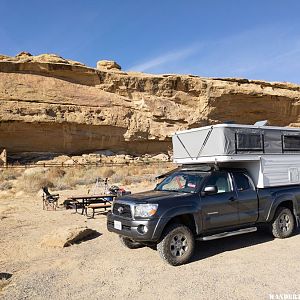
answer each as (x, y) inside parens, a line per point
(177, 245)
(283, 223)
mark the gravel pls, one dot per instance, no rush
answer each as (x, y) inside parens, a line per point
(249, 266)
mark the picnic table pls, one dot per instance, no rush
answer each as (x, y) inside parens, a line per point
(92, 201)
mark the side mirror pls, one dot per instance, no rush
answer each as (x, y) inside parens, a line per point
(210, 190)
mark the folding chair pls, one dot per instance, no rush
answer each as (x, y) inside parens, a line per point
(49, 200)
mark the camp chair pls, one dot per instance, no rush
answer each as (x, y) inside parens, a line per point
(49, 200)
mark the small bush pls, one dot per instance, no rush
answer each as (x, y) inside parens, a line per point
(117, 178)
(5, 185)
(70, 177)
(55, 173)
(10, 174)
(107, 172)
(33, 183)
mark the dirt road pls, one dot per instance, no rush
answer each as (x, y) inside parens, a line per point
(244, 267)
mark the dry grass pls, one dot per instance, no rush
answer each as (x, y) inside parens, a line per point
(33, 180)
(61, 178)
(7, 177)
(128, 175)
(10, 174)
(5, 185)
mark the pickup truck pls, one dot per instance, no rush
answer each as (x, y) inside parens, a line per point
(202, 204)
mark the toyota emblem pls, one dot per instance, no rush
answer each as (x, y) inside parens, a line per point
(120, 209)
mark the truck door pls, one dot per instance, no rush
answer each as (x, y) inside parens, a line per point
(219, 210)
(246, 198)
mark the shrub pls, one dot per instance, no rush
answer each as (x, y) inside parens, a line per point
(33, 183)
(56, 172)
(117, 178)
(79, 175)
(107, 172)
(5, 185)
(10, 174)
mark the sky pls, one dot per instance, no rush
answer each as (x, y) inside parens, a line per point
(221, 38)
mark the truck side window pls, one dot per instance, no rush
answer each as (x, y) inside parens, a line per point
(221, 181)
(242, 182)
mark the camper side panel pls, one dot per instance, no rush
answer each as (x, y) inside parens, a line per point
(279, 170)
(186, 145)
(189, 146)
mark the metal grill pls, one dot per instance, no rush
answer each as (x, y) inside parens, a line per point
(122, 210)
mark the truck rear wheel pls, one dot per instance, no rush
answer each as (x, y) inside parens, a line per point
(128, 243)
(177, 245)
(283, 223)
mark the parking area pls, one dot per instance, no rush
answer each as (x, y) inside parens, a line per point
(251, 266)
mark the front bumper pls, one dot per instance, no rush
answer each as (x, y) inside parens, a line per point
(130, 228)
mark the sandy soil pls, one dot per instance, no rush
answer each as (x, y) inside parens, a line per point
(243, 267)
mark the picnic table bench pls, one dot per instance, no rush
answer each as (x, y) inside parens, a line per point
(93, 202)
(95, 206)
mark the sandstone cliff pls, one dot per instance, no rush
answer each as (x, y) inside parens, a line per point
(50, 104)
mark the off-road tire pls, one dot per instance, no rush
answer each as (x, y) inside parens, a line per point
(283, 223)
(128, 243)
(170, 251)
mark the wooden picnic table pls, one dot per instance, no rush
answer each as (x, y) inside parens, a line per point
(85, 200)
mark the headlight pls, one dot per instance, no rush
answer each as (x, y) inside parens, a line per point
(145, 210)
(112, 205)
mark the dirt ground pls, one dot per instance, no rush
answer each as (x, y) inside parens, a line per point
(243, 267)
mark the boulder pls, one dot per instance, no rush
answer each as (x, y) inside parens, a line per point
(69, 162)
(23, 54)
(66, 236)
(104, 153)
(50, 58)
(4, 57)
(108, 65)
(61, 159)
(3, 157)
(37, 171)
(119, 159)
(161, 157)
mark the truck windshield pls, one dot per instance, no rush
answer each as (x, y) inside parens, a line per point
(181, 182)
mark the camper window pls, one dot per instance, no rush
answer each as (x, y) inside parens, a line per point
(249, 141)
(242, 182)
(291, 143)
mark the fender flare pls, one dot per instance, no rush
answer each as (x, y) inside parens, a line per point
(172, 213)
(277, 201)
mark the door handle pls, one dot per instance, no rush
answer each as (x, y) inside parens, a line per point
(232, 198)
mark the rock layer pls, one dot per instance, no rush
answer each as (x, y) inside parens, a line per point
(48, 103)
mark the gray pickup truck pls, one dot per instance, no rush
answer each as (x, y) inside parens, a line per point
(202, 204)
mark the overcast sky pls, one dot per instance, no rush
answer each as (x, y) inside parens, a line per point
(221, 38)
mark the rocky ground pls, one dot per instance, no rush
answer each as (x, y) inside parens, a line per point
(243, 267)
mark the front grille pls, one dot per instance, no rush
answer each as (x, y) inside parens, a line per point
(122, 210)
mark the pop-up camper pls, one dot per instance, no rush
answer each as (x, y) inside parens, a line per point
(270, 154)
(232, 180)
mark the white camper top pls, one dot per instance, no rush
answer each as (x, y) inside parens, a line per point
(271, 154)
(228, 142)
(239, 126)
